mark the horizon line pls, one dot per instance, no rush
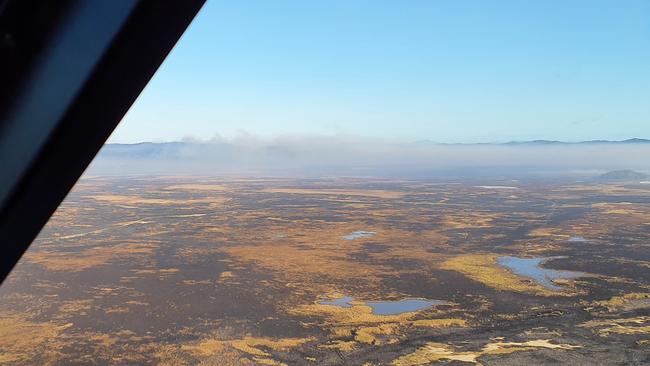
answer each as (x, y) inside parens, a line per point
(425, 141)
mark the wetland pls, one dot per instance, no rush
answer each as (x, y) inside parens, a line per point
(346, 271)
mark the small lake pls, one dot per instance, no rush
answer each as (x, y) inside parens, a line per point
(577, 239)
(531, 268)
(386, 307)
(359, 234)
(496, 187)
(343, 302)
(400, 306)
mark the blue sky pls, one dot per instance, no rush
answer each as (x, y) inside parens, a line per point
(448, 71)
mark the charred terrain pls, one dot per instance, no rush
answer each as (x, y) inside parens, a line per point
(184, 271)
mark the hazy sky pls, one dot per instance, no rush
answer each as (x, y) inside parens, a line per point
(448, 71)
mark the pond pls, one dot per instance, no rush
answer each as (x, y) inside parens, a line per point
(343, 302)
(496, 187)
(400, 306)
(577, 239)
(531, 268)
(359, 234)
(386, 307)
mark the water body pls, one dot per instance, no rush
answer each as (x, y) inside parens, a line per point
(400, 306)
(577, 239)
(531, 268)
(343, 302)
(359, 234)
(386, 307)
(497, 187)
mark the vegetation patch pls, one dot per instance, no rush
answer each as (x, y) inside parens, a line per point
(626, 302)
(485, 269)
(433, 352)
(634, 325)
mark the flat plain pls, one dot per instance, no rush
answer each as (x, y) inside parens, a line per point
(199, 270)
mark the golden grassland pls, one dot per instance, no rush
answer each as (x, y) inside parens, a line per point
(354, 315)
(90, 257)
(131, 200)
(468, 219)
(305, 266)
(199, 187)
(23, 340)
(310, 252)
(162, 272)
(137, 201)
(343, 346)
(74, 307)
(484, 268)
(307, 254)
(299, 248)
(58, 238)
(549, 232)
(560, 234)
(373, 193)
(433, 352)
(249, 346)
(633, 325)
(360, 314)
(629, 210)
(626, 302)
(349, 326)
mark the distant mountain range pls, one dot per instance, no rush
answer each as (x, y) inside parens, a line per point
(227, 150)
(157, 147)
(545, 142)
(622, 175)
(321, 156)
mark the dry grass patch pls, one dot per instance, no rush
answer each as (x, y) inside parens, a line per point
(343, 346)
(137, 201)
(87, 258)
(22, 340)
(440, 323)
(357, 314)
(619, 208)
(305, 264)
(57, 237)
(635, 325)
(359, 322)
(374, 193)
(433, 352)
(73, 307)
(467, 220)
(485, 269)
(309, 252)
(369, 335)
(199, 187)
(251, 346)
(548, 232)
(626, 302)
